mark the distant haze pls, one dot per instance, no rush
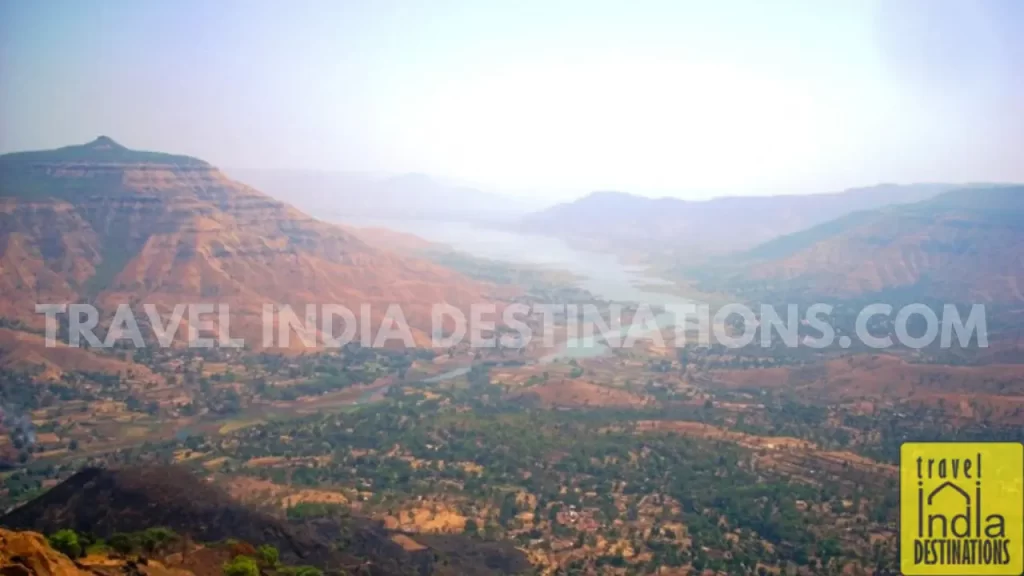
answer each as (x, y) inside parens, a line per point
(354, 196)
(686, 98)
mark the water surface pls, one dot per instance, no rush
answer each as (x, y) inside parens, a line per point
(602, 274)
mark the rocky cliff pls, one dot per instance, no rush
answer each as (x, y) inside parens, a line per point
(105, 224)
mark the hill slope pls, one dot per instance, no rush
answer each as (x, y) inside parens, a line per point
(962, 246)
(103, 223)
(712, 226)
(104, 502)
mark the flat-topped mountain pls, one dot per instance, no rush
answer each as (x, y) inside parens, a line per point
(102, 150)
(107, 224)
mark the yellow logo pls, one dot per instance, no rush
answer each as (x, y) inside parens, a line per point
(962, 508)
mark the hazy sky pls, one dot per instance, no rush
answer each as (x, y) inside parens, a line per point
(690, 98)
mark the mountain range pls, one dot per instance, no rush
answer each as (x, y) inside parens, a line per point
(620, 221)
(106, 224)
(964, 245)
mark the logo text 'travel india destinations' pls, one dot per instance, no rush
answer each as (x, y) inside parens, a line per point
(962, 508)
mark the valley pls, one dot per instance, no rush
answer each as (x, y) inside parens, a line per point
(603, 274)
(633, 461)
(662, 457)
(467, 288)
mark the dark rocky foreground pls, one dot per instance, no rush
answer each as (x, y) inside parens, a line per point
(108, 501)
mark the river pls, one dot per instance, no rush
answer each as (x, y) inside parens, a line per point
(602, 274)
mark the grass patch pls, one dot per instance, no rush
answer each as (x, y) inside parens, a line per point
(236, 425)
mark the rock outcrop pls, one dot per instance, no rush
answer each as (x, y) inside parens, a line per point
(29, 554)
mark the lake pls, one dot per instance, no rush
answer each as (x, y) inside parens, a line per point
(602, 274)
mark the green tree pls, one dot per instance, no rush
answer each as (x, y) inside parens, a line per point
(66, 542)
(124, 543)
(241, 566)
(269, 555)
(154, 538)
(509, 510)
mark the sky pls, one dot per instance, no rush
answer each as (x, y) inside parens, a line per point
(689, 98)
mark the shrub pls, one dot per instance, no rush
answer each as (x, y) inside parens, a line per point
(269, 555)
(154, 538)
(66, 542)
(124, 543)
(241, 566)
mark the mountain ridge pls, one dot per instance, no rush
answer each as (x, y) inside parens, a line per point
(106, 501)
(715, 226)
(103, 149)
(154, 228)
(961, 246)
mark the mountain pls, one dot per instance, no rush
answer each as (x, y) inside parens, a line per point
(27, 352)
(104, 502)
(106, 224)
(961, 246)
(620, 220)
(344, 196)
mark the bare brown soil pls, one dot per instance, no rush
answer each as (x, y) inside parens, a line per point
(997, 390)
(582, 394)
